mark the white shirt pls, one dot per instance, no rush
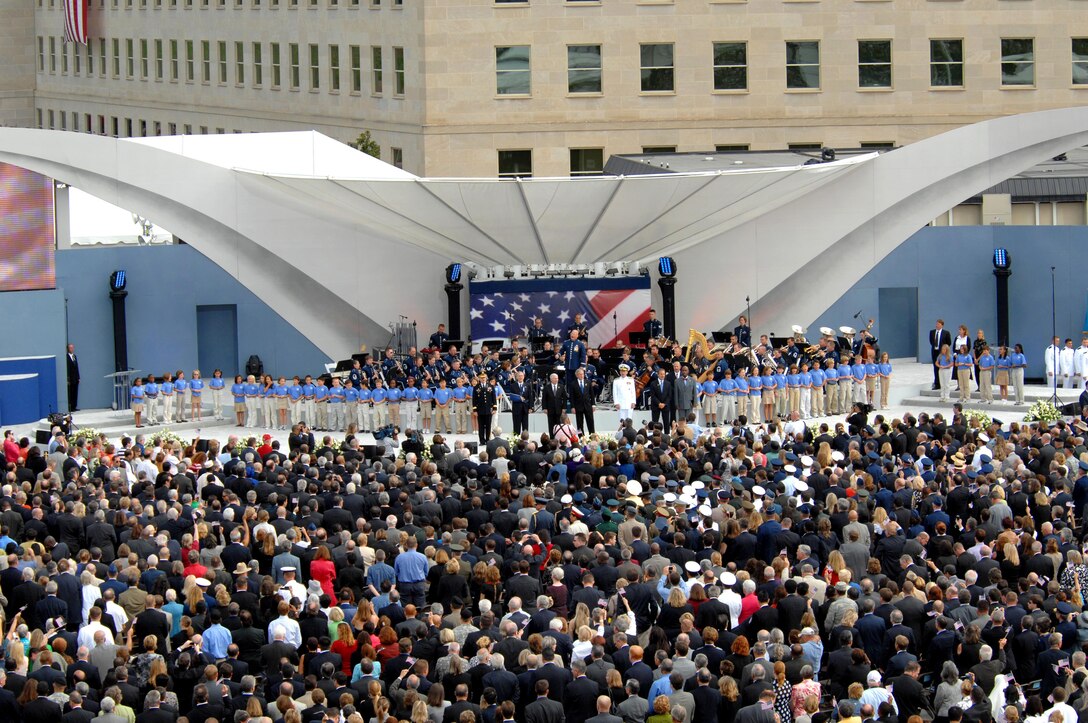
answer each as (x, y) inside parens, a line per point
(291, 589)
(1065, 360)
(1080, 356)
(86, 635)
(623, 392)
(732, 599)
(293, 634)
(1050, 357)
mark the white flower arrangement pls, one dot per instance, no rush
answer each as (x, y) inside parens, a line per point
(975, 415)
(1043, 411)
(165, 437)
(84, 434)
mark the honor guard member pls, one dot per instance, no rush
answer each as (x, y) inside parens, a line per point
(379, 412)
(573, 355)
(1051, 360)
(238, 394)
(216, 384)
(805, 384)
(166, 397)
(1080, 364)
(743, 332)
(409, 404)
(355, 376)
(708, 391)
(363, 406)
(484, 404)
(309, 402)
(321, 404)
(253, 395)
(426, 405)
(439, 339)
(393, 396)
(858, 371)
(741, 393)
(335, 405)
(136, 399)
(294, 400)
(816, 389)
(151, 399)
(181, 396)
(196, 394)
(579, 326)
(461, 404)
(652, 327)
(443, 399)
(521, 398)
(1065, 361)
(279, 392)
(351, 405)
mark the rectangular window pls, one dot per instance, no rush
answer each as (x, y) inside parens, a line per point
(584, 69)
(63, 121)
(659, 149)
(315, 67)
(803, 64)
(731, 66)
(159, 60)
(586, 161)
(130, 58)
(222, 48)
(356, 68)
(375, 4)
(731, 147)
(874, 64)
(398, 71)
(513, 74)
(1080, 61)
(172, 129)
(41, 122)
(376, 70)
(239, 62)
(516, 164)
(258, 66)
(946, 63)
(52, 54)
(187, 129)
(144, 70)
(52, 119)
(656, 65)
(397, 157)
(293, 52)
(64, 58)
(1017, 61)
(334, 68)
(190, 61)
(877, 145)
(275, 65)
(90, 57)
(116, 58)
(173, 62)
(102, 58)
(77, 64)
(206, 61)
(41, 54)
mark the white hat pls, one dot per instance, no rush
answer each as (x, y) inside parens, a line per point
(287, 569)
(789, 469)
(705, 510)
(687, 500)
(670, 497)
(873, 677)
(698, 485)
(806, 460)
(758, 491)
(758, 504)
(807, 631)
(692, 566)
(567, 499)
(800, 486)
(983, 437)
(836, 455)
(688, 491)
(634, 487)
(203, 582)
(728, 579)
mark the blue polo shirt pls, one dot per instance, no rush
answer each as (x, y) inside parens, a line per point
(196, 386)
(216, 383)
(239, 392)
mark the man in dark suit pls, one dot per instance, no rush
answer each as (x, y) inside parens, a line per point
(544, 709)
(521, 398)
(484, 405)
(73, 379)
(909, 696)
(604, 704)
(762, 711)
(707, 699)
(581, 398)
(554, 401)
(460, 704)
(938, 337)
(661, 399)
(153, 713)
(557, 677)
(580, 699)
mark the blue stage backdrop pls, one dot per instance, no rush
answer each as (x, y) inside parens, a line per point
(610, 307)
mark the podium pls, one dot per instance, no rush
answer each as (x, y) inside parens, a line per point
(122, 383)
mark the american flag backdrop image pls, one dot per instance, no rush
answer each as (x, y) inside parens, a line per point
(611, 308)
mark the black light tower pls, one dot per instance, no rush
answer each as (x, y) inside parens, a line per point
(118, 280)
(1002, 272)
(666, 267)
(453, 299)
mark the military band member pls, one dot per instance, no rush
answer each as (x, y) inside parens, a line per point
(538, 335)
(355, 376)
(439, 339)
(743, 332)
(579, 326)
(653, 327)
(238, 393)
(216, 384)
(151, 399)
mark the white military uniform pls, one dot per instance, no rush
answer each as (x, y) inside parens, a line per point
(1080, 364)
(1050, 359)
(623, 394)
(1065, 363)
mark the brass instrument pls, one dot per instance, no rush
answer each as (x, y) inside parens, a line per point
(695, 337)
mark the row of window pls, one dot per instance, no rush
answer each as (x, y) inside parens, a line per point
(209, 62)
(273, 4)
(585, 63)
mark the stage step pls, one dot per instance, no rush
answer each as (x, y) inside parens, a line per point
(927, 403)
(1032, 394)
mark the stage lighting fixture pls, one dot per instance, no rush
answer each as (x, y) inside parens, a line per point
(554, 270)
(600, 268)
(666, 267)
(118, 280)
(1002, 260)
(453, 274)
(512, 271)
(827, 155)
(536, 270)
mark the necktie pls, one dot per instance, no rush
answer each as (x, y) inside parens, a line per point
(582, 386)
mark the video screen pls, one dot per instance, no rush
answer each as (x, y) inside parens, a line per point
(27, 247)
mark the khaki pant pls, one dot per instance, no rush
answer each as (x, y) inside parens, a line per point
(885, 384)
(309, 412)
(795, 399)
(945, 375)
(425, 408)
(728, 408)
(362, 416)
(322, 415)
(742, 406)
(461, 416)
(378, 415)
(1017, 376)
(817, 401)
(754, 408)
(442, 419)
(846, 392)
(870, 390)
(985, 385)
(963, 376)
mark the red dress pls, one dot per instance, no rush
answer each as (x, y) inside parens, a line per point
(324, 571)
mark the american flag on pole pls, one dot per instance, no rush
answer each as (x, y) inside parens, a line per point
(75, 21)
(611, 308)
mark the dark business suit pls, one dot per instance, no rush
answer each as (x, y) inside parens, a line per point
(73, 382)
(520, 410)
(554, 403)
(545, 710)
(938, 339)
(581, 398)
(661, 401)
(484, 404)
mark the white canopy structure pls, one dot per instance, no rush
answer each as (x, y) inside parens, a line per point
(338, 243)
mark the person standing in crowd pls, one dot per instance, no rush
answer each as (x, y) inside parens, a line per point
(136, 400)
(581, 400)
(181, 396)
(939, 338)
(73, 378)
(485, 405)
(623, 393)
(151, 399)
(166, 398)
(238, 394)
(426, 405)
(443, 400)
(216, 385)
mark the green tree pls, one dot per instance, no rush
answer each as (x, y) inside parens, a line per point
(367, 144)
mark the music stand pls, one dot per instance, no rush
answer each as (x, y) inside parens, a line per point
(638, 338)
(122, 383)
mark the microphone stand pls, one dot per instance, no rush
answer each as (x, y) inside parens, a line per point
(748, 305)
(615, 326)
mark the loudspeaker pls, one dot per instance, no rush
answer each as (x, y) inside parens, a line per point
(41, 436)
(203, 445)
